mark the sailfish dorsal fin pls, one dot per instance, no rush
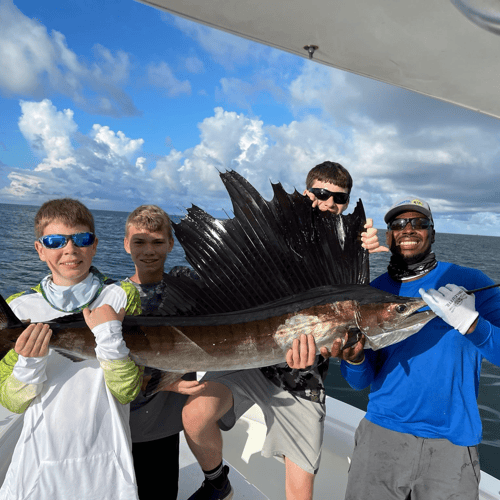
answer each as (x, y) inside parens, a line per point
(268, 251)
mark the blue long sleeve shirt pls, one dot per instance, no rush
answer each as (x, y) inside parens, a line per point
(427, 385)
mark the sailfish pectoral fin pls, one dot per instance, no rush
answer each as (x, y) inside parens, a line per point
(173, 343)
(354, 336)
(198, 351)
(156, 380)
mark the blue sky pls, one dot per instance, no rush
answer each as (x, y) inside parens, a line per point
(118, 104)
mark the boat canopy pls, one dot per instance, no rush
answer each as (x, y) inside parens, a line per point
(427, 46)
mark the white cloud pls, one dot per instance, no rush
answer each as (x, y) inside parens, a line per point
(140, 163)
(105, 161)
(109, 166)
(322, 87)
(34, 63)
(109, 67)
(397, 142)
(244, 93)
(118, 143)
(167, 171)
(161, 75)
(230, 140)
(49, 132)
(194, 65)
(226, 49)
(102, 167)
(24, 186)
(227, 141)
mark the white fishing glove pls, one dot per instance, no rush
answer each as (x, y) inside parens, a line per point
(453, 305)
(109, 340)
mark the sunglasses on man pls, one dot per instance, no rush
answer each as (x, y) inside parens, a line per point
(56, 241)
(416, 223)
(323, 195)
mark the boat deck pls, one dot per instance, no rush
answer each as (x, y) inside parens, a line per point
(254, 477)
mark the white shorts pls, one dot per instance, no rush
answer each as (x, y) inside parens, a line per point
(294, 425)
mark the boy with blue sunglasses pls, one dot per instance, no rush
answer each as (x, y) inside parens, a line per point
(75, 441)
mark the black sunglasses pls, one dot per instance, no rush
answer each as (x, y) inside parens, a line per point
(324, 194)
(56, 241)
(416, 223)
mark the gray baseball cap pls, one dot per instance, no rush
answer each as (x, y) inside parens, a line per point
(413, 204)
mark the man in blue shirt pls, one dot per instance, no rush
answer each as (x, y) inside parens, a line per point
(419, 437)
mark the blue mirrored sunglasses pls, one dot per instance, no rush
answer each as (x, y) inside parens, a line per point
(55, 241)
(416, 223)
(323, 194)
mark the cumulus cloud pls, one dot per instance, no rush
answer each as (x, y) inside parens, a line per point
(107, 165)
(113, 171)
(228, 140)
(397, 142)
(34, 63)
(118, 143)
(348, 98)
(100, 166)
(48, 132)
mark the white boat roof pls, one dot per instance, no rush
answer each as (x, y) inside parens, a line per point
(427, 46)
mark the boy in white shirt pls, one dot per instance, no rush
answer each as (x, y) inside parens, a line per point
(75, 441)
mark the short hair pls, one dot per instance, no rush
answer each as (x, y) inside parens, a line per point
(331, 172)
(151, 218)
(66, 210)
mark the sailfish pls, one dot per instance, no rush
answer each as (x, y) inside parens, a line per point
(274, 271)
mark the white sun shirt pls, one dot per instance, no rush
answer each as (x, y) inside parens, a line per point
(75, 442)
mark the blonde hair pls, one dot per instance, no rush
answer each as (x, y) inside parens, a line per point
(66, 210)
(151, 218)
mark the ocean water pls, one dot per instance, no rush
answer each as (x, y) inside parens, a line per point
(20, 268)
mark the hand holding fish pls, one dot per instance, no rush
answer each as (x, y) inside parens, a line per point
(34, 341)
(303, 352)
(179, 385)
(453, 305)
(354, 354)
(102, 314)
(369, 239)
(188, 387)
(311, 197)
(105, 324)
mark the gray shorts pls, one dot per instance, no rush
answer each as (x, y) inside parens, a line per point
(391, 465)
(294, 425)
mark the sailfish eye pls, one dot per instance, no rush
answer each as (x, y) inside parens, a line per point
(401, 308)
